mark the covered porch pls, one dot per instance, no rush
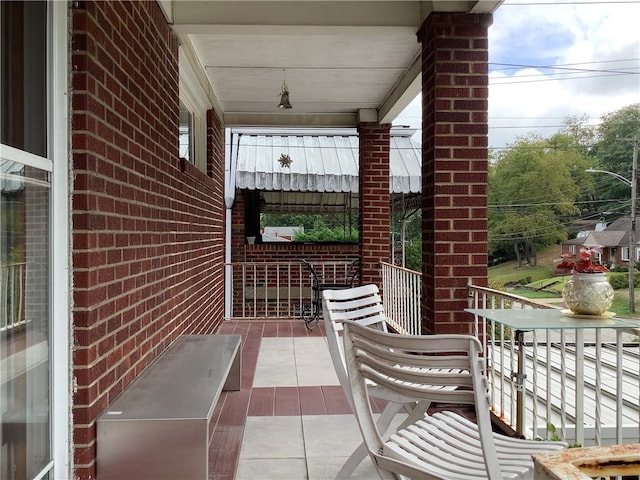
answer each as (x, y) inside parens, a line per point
(291, 416)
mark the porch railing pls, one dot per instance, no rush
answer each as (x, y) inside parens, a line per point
(12, 284)
(402, 294)
(583, 382)
(278, 289)
(601, 409)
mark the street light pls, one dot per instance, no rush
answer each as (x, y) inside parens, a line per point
(632, 234)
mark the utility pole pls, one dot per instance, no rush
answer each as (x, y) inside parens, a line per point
(632, 233)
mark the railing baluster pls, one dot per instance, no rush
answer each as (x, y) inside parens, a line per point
(579, 399)
(598, 389)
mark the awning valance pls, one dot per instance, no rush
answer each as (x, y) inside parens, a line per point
(320, 162)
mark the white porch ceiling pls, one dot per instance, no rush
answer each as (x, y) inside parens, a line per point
(344, 61)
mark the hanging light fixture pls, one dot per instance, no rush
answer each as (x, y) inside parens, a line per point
(284, 93)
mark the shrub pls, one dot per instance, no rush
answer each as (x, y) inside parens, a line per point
(620, 281)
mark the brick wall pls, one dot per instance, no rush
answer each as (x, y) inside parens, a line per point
(147, 227)
(375, 210)
(454, 166)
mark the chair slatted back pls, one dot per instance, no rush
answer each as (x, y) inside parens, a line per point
(358, 304)
(437, 368)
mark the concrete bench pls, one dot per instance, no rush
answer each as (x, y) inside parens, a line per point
(161, 426)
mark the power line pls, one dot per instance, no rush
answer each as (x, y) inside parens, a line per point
(569, 68)
(556, 3)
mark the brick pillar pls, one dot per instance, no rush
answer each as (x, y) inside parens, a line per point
(237, 227)
(375, 212)
(454, 166)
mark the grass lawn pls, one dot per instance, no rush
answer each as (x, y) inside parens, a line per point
(542, 276)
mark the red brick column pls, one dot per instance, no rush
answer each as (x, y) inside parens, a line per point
(375, 211)
(454, 166)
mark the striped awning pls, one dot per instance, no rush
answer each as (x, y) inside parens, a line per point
(320, 161)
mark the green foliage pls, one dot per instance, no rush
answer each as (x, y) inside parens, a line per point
(317, 228)
(620, 281)
(613, 152)
(552, 435)
(533, 187)
(413, 237)
(320, 232)
(413, 255)
(539, 186)
(287, 220)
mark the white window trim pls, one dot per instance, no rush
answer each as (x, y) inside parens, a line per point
(195, 97)
(60, 241)
(57, 165)
(624, 254)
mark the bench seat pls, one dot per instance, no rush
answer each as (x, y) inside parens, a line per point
(160, 427)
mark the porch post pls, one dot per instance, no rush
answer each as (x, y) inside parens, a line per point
(375, 211)
(454, 166)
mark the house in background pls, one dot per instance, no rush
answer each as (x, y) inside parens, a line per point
(614, 238)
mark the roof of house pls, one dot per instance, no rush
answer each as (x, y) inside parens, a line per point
(616, 234)
(606, 238)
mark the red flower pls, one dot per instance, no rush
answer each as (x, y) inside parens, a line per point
(581, 263)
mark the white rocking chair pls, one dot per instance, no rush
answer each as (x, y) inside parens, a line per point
(364, 306)
(445, 445)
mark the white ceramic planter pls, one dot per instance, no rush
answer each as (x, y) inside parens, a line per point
(588, 294)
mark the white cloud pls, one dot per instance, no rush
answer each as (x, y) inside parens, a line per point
(597, 36)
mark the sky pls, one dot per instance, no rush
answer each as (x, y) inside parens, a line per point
(553, 59)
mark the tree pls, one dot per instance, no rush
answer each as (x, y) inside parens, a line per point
(533, 187)
(613, 152)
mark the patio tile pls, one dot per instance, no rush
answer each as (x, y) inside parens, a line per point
(272, 469)
(226, 442)
(293, 420)
(275, 376)
(262, 402)
(328, 435)
(312, 400)
(287, 401)
(326, 468)
(272, 437)
(234, 408)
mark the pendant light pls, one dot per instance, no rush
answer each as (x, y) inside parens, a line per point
(284, 93)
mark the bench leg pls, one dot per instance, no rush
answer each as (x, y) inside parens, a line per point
(235, 373)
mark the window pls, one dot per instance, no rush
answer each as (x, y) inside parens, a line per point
(23, 87)
(194, 104)
(25, 321)
(624, 254)
(32, 135)
(186, 134)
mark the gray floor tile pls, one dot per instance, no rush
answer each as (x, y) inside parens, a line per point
(273, 437)
(326, 468)
(326, 435)
(272, 469)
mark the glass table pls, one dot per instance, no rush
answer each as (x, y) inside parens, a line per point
(548, 319)
(521, 321)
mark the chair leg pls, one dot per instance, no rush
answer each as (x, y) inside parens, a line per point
(386, 417)
(356, 458)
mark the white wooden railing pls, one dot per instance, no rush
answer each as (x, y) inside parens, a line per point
(583, 382)
(12, 282)
(402, 294)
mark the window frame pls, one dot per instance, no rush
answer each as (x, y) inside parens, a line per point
(194, 97)
(55, 163)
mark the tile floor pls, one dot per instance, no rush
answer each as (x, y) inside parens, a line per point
(290, 420)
